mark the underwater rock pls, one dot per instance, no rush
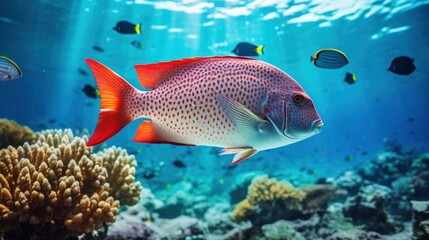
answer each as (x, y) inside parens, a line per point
(58, 184)
(308, 228)
(281, 230)
(221, 226)
(148, 203)
(335, 220)
(240, 232)
(13, 134)
(420, 178)
(183, 203)
(420, 220)
(401, 186)
(184, 227)
(386, 167)
(405, 172)
(367, 209)
(218, 218)
(132, 228)
(183, 199)
(406, 233)
(174, 206)
(350, 181)
(356, 234)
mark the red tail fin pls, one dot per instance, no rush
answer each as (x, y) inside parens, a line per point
(113, 89)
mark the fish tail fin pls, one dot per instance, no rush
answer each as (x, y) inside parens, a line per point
(113, 92)
(260, 49)
(138, 29)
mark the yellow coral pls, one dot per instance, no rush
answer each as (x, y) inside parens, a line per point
(243, 208)
(263, 189)
(58, 180)
(11, 133)
(121, 170)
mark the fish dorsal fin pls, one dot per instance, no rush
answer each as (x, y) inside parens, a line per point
(151, 75)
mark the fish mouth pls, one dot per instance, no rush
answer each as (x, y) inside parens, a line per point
(317, 125)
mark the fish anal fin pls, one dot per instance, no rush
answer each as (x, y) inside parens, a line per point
(151, 75)
(147, 133)
(241, 154)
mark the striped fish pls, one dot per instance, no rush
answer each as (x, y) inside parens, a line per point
(9, 70)
(329, 58)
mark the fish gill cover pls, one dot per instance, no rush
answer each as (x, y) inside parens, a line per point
(363, 176)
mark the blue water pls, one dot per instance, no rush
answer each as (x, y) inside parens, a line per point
(49, 40)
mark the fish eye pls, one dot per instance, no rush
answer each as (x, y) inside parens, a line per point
(298, 98)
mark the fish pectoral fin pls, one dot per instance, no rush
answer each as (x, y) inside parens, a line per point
(246, 120)
(241, 154)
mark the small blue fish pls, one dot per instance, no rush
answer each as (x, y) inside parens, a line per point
(329, 58)
(248, 49)
(91, 91)
(350, 78)
(9, 70)
(126, 27)
(98, 48)
(402, 65)
(137, 44)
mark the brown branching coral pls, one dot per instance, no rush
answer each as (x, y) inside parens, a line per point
(317, 197)
(268, 192)
(59, 181)
(11, 133)
(121, 170)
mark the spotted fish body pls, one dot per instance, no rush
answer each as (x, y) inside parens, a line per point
(240, 104)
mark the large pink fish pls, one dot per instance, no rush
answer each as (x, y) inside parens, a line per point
(240, 104)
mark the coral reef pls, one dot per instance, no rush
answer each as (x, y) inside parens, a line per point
(356, 234)
(367, 209)
(58, 181)
(270, 197)
(420, 220)
(239, 189)
(350, 181)
(281, 230)
(13, 134)
(133, 227)
(317, 198)
(184, 198)
(184, 227)
(120, 169)
(275, 210)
